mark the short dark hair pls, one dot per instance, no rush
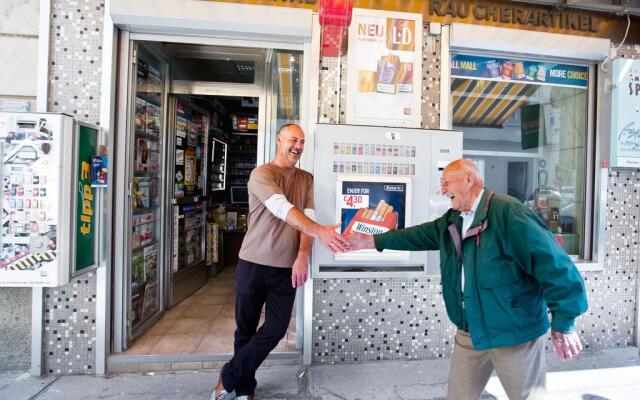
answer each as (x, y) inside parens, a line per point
(286, 126)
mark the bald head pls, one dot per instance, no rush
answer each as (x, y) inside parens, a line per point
(466, 166)
(461, 183)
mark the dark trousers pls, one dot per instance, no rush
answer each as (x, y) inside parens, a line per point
(257, 285)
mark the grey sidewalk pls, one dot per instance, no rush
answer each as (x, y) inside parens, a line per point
(596, 375)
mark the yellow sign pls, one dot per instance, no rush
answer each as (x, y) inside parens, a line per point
(502, 13)
(87, 199)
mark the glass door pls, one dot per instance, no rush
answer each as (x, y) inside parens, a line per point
(146, 243)
(284, 90)
(187, 139)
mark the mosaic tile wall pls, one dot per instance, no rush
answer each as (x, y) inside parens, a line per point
(74, 88)
(612, 293)
(374, 319)
(328, 104)
(377, 319)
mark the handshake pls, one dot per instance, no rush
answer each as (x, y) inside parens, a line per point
(358, 234)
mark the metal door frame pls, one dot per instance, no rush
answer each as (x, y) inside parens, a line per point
(123, 171)
(308, 118)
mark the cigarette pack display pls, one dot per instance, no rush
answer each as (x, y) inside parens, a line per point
(518, 70)
(387, 72)
(507, 70)
(252, 123)
(405, 77)
(493, 68)
(374, 221)
(139, 121)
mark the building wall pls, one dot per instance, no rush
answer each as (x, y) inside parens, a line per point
(15, 328)
(19, 44)
(74, 88)
(374, 319)
(354, 319)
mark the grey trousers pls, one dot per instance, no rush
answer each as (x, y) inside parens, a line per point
(521, 369)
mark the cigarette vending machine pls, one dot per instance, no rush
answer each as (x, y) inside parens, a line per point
(374, 179)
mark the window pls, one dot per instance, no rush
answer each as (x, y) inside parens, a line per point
(525, 124)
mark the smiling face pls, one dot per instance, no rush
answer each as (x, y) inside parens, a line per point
(461, 185)
(289, 146)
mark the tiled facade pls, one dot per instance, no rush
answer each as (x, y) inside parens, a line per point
(374, 319)
(353, 319)
(74, 88)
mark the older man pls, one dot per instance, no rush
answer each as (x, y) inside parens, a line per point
(273, 260)
(501, 269)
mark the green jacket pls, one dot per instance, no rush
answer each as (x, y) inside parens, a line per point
(514, 269)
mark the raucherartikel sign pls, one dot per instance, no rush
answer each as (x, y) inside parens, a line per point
(625, 113)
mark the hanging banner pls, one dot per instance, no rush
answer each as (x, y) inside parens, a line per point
(625, 113)
(501, 69)
(384, 69)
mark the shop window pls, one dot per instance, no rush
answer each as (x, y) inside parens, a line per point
(525, 124)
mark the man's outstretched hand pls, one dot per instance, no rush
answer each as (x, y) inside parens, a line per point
(566, 345)
(332, 240)
(359, 241)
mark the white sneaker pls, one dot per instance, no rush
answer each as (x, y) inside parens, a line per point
(222, 395)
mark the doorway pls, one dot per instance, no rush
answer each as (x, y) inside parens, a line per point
(200, 119)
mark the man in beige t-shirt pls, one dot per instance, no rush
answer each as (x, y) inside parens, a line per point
(273, 260)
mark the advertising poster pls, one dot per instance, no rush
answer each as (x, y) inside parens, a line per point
(385, 69)
(502, 69)
(371, 205)
(625, 113)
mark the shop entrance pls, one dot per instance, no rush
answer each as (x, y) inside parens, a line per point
(200, 119)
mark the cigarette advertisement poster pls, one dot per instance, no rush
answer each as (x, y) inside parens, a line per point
(384, 69)
(514, 70)
(372, 205)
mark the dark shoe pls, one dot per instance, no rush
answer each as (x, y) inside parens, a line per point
(219, 393)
